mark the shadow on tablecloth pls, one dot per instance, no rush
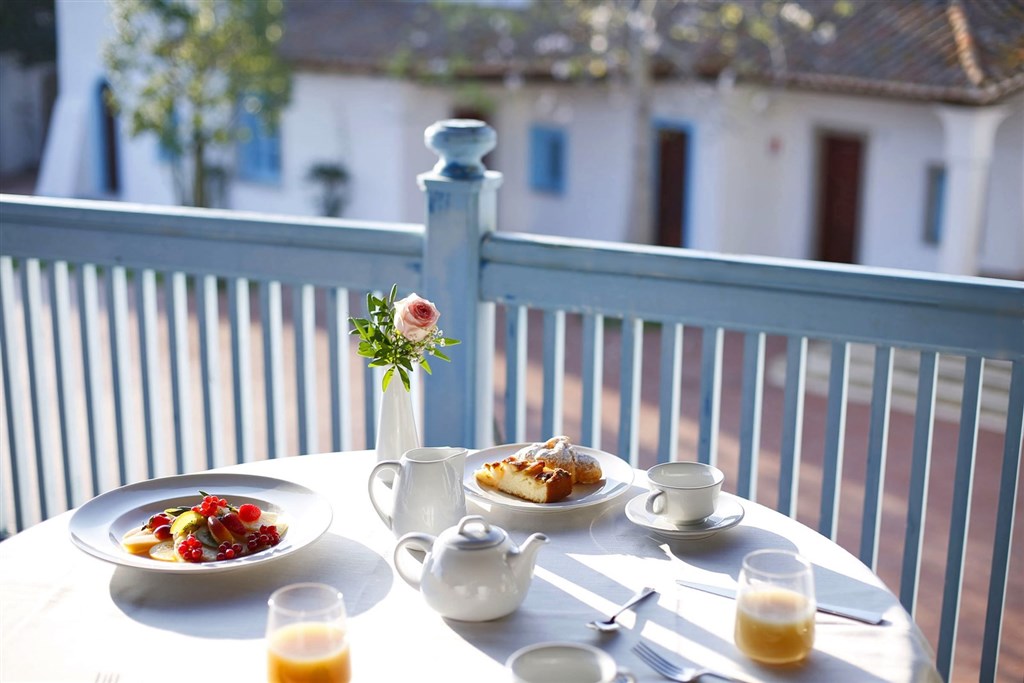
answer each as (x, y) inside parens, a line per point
(233, 604)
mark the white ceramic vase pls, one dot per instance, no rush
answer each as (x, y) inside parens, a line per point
(396, 425)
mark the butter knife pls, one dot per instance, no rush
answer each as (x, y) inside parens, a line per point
(864, 616)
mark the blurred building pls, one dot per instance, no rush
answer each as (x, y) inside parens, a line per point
(890, 135)
(28, 86)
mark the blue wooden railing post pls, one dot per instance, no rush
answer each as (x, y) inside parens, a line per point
(461, 208)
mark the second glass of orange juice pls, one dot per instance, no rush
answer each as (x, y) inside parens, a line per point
(775, 607)
(306, 637)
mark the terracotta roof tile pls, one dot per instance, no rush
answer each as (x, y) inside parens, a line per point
(964, 51)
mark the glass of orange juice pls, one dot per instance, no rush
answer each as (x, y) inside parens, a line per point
(306, 635)
(775, 607)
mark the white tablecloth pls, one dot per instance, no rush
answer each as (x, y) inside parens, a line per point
(67, 616)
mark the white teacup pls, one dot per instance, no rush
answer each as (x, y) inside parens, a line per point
(684, 492)
(564, 663)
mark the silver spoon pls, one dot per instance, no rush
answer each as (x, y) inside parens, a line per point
(609, 624)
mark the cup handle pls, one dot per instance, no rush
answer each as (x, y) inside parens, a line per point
(649, 503)
(392, 465)
(415, 541)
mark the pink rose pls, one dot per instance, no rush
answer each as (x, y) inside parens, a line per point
(415, 317)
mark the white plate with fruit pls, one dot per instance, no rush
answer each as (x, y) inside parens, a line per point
(200, 522)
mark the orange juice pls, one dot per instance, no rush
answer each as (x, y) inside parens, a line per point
(308, 653)
(774, 625)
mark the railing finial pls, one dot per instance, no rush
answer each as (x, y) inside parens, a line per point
(461, 144)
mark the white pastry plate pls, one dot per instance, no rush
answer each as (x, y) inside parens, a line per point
(618, 477)
(727, 515)
(97, 526)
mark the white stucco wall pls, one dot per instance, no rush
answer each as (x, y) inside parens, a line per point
(73, 140)
(1002, 240)
(766, 145)
(354, 121)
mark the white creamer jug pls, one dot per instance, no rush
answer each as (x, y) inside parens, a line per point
(427, 494)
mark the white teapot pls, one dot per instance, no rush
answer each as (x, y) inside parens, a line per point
(472, 571)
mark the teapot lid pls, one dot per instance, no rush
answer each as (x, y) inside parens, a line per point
(473, 533)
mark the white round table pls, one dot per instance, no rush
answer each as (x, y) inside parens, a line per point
(67, 616)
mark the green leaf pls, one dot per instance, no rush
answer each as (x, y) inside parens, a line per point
(448, 341)
(405, 378)
(387, 378)
(438, 354)
(394, 293)
(426, 366)
(379, 363)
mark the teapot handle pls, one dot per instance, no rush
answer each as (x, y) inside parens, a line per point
(415, 541)
(396, 467)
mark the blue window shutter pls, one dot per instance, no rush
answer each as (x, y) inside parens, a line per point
(164, 153)
(935, 199)
(259, 155)
(547, 159)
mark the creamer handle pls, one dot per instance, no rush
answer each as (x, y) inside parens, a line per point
(396, 467)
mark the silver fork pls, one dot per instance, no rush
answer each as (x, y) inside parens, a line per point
(674, 672)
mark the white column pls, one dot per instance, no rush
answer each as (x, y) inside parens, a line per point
(969, 135)
(461, 211)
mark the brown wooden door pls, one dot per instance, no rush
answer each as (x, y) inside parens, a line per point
(839, 189)
(672, 149)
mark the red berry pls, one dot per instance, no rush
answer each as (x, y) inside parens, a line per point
(249, 513)
(162, 532)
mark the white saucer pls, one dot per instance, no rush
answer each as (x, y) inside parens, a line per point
(726, 516)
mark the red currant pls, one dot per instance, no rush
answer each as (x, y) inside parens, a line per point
(190, 549)
(249, 513)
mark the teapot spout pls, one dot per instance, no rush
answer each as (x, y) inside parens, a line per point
(523, 559)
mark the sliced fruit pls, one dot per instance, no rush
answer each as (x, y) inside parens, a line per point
(164, 551)
(268, 518)
(157, 521)
(220, 532)
(187, 522)
(233, 522)
(204, 536)
(139, 543)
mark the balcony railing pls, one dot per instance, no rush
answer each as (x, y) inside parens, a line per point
(140, 341)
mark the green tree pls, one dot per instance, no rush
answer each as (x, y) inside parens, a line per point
(182, 69)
